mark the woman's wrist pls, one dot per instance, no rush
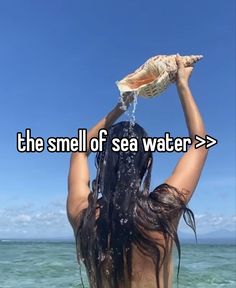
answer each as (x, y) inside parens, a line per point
(121, 106)
(119, 109)
(182, 84)
(113, 115)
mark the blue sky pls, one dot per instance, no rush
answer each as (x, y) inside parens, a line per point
(59, 61)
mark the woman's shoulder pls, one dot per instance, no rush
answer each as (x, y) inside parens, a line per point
(164, 188)
(168, 199)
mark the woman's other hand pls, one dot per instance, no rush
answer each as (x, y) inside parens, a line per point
(183, 73)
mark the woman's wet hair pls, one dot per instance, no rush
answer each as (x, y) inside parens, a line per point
(128, 216)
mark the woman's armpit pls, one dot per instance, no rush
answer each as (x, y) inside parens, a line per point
(179, 195)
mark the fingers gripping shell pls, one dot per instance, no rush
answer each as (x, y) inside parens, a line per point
(155, 75)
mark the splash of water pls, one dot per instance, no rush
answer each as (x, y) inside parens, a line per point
(130, 112)
(121, 100)
(133, 107)
(128, 132)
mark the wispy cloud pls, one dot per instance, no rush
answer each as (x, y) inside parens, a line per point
(51, 222)
(43, 222)
(207, 223)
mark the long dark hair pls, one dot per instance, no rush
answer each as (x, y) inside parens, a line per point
(128, 212)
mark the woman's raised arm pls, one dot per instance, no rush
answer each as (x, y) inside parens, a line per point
(188, 170)
(78, 178)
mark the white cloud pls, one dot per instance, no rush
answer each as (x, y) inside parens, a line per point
(52, 222)
(43, 222)
(23, 218)
(207, 223)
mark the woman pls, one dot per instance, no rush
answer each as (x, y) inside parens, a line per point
(125, 237)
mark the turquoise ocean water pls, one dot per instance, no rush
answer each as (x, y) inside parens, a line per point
(41, 264)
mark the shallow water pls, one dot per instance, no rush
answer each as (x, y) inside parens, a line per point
(53, 264)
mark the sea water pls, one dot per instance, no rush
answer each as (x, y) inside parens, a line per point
(42, 264)
(130, 111)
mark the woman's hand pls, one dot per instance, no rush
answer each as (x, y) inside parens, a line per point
(125, 100)
(183, 73)
(128, 97)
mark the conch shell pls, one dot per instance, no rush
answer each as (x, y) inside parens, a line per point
(155, 75)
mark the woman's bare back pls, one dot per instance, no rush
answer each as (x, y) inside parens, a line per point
(143, 268)
(144, 274)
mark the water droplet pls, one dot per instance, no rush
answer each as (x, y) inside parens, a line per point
(107, 272)
(132, 120)
(117, 206)
(123, 221)
(123, 106)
